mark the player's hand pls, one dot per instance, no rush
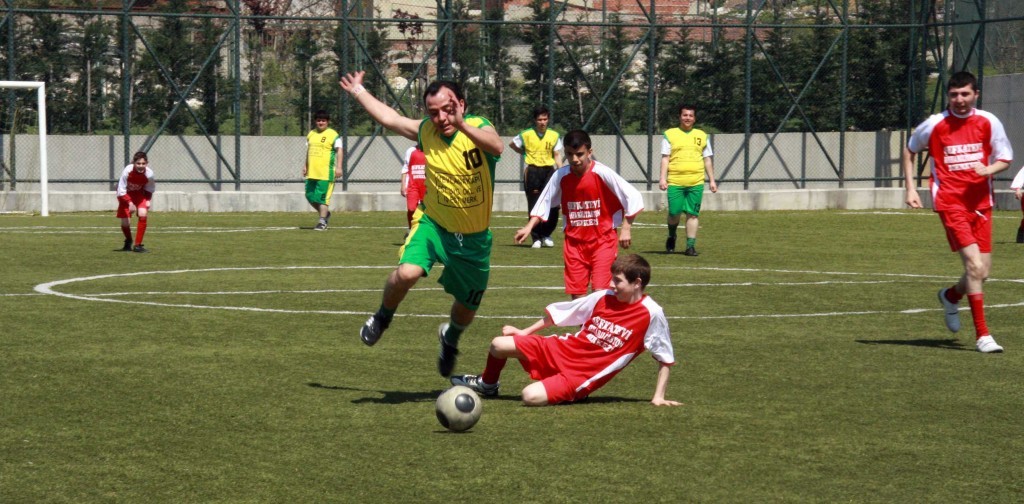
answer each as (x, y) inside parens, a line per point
(521, 235)
(982, 169)
(511, 331)
(714, 187)
(663, 185)
(1017, 193)
(352, 81)
(913, 199)
(625, 238)
(665, 402)
(456, 110)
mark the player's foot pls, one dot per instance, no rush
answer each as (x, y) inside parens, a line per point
(952, 312)
(988, 345)
(547, 241)
(690, 251)
(1020, 234)
(140, 249)
(446, 356)
(372, 330)
(536, 244)
(670, 244)
(320, 226)
(127, 246)
(474, 382)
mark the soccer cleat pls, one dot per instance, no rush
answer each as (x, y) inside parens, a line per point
(547, 241)
(474, 382)
(446, 356)
(988, 345)
(127, 246)
(140, 249)
(536, 244)
(670, 244)
(690, 251)
(372, 330)
(320, 226)
(952, 312)
(1020, 234)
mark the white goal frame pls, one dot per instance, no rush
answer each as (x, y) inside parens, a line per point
(40, 87)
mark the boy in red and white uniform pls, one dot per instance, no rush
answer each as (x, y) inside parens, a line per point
(414, 180)
(595, 200)
(136, 188)
(616, 325)
(967, 147)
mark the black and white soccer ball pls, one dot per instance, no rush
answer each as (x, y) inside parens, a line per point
(458, 408)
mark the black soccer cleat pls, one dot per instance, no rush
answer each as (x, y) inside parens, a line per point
(1020, 234)
(140, 249)
(446, 355)
(127, 245)
(690, 251)
(372, 330)
(670, 244)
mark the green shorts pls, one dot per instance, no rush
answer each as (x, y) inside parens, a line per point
(319, 191)
(466, 258)
(685, 199)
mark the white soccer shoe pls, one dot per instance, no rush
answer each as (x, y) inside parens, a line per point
(952, 312)
(536, 244)
(547, 242)
(988, 345)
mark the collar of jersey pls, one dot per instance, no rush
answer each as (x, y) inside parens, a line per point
(958, 116)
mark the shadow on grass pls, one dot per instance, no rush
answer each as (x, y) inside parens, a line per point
(945, 344)
(403, 396)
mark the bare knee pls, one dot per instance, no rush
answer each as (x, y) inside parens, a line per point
(535, 395)
(977, 269)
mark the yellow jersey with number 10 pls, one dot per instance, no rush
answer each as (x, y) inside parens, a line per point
(460, 179)
(686, 163)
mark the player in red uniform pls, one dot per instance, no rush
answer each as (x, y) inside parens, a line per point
(967, 147)
(595, 200)
(136, 188)
(414, 180)
(616, 325)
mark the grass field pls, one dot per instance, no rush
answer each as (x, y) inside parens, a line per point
(225, 366)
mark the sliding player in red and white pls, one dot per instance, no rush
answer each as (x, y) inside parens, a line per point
(136, 188)
(595, 200)
(616, 326)
(967, 147)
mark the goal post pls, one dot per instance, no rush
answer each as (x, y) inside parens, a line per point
(40, 87)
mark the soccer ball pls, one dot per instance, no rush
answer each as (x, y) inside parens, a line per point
(458, 408)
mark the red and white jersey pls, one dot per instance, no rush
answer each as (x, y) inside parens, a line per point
(956, 145)
(611, 335)
(593, 204)
(132, 181)
(415, 166)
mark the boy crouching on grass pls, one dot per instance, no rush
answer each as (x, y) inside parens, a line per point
(616, 325)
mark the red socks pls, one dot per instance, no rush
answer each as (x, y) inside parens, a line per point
(492, 371)
(139, 232)
(977, 302)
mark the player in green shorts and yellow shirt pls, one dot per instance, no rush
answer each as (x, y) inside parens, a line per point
(685, 157)
(323, 159)
(452, 227)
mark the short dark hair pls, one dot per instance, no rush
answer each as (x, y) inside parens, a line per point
(140, 155)
(321, 114)
(633, 266)
(576, 138)
(541, 110)
(685, 106)
(435, 87)
(961, 79)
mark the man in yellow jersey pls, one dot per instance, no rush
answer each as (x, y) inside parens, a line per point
(323, 159)
(685, 157)
(541, 149)
(462, 151)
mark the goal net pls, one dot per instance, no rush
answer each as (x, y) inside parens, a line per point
(13, 165)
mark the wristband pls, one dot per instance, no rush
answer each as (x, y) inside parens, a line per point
(358, 89)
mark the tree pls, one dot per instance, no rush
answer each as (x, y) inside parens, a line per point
(47, 59)
(93, 62)
(256, 41)
(168, 65)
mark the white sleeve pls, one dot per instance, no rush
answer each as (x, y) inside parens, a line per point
(558, 145)
(405, 162)
(707, 150)
(550, 197)
(918, 141)
(631, 199)
(518, 140)
(122, 183)
(337, 143)
(1018, 181)
(657, 340)
(666, 147)
(576, 311)
(1001, 148)
(151, 183)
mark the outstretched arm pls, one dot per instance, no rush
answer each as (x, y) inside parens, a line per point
(525, 231)
(378, 110)
(662, 384)
(533, 329)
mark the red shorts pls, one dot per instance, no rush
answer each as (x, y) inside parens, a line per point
(138, 199)
(964, 227)
(589, 263)
(542, 364)
(413, 196)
